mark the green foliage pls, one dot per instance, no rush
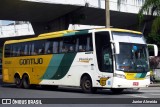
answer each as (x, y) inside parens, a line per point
(156, 25)
(151, 7)
(154, 39)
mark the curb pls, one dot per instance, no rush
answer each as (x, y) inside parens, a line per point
(154, 85)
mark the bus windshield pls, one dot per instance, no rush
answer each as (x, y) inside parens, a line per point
(132, 58)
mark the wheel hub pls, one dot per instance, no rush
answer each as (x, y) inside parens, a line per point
(87, 84)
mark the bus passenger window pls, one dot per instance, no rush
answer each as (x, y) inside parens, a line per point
(48, 51)
(21, 53)
(34, 52)
(39, 47)
(61, 46)
(81, 48)
(64, 49)
(69, 44)
(55, 47)
(7, 50)
(47, 47)
(26, 49)
(71, 49)
(89, 44)
(40, 51)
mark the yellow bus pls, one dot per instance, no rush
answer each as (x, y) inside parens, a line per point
(90, 59)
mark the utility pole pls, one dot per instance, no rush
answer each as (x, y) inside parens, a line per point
(107, 13)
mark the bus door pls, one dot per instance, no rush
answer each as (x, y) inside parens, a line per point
(104, 58)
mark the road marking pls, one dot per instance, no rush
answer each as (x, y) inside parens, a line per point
(155, 94)
(139, 96)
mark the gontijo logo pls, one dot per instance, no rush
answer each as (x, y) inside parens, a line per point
(31, 61)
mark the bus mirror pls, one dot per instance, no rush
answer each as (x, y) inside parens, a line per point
(152, 49)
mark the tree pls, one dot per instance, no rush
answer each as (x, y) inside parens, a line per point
(151, 7)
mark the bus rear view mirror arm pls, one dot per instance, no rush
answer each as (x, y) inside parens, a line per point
(116, 45)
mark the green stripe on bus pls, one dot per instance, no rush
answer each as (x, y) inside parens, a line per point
(76, 33)
(143, 75)
(140, 75)
(82, 32)
(69, 34)
(64, 66)
(53, 66)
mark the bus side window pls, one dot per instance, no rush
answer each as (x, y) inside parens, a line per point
(60, 46)
(89, 44)
(81, 48)
(33, 50)
(7, 50)
(69, 44)
(55, 46)
(39, 47)
(82, 43)
(26, 49)
(48, 47)
(85, 42)
(15, 50)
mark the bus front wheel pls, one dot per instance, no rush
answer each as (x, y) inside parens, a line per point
(86, 85)
(26, 82)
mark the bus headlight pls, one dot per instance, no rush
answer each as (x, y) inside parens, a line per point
(119, 76)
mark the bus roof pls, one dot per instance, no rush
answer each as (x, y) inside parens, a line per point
(68, 33)
(43, 36)
(119, 30)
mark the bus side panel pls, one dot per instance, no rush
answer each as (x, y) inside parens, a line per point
(25, 65)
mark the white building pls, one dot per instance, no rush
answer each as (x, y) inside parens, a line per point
(53, 15)
(13, 29)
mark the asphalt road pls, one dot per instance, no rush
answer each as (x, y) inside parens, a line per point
(10, 91)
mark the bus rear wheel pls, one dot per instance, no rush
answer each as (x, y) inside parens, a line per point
(18, 81)
(25, 81)
(86, 85)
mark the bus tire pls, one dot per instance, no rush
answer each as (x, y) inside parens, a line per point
(26, 81)
(18, 81)
(86, 85)
(117, 90)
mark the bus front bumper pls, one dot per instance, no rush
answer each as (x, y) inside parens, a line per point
(124, 83)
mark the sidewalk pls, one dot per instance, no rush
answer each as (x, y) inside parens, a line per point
(155, 84)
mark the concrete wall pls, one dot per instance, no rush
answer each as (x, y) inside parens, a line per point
(61, 23)
(130, 6)
(16, 30)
